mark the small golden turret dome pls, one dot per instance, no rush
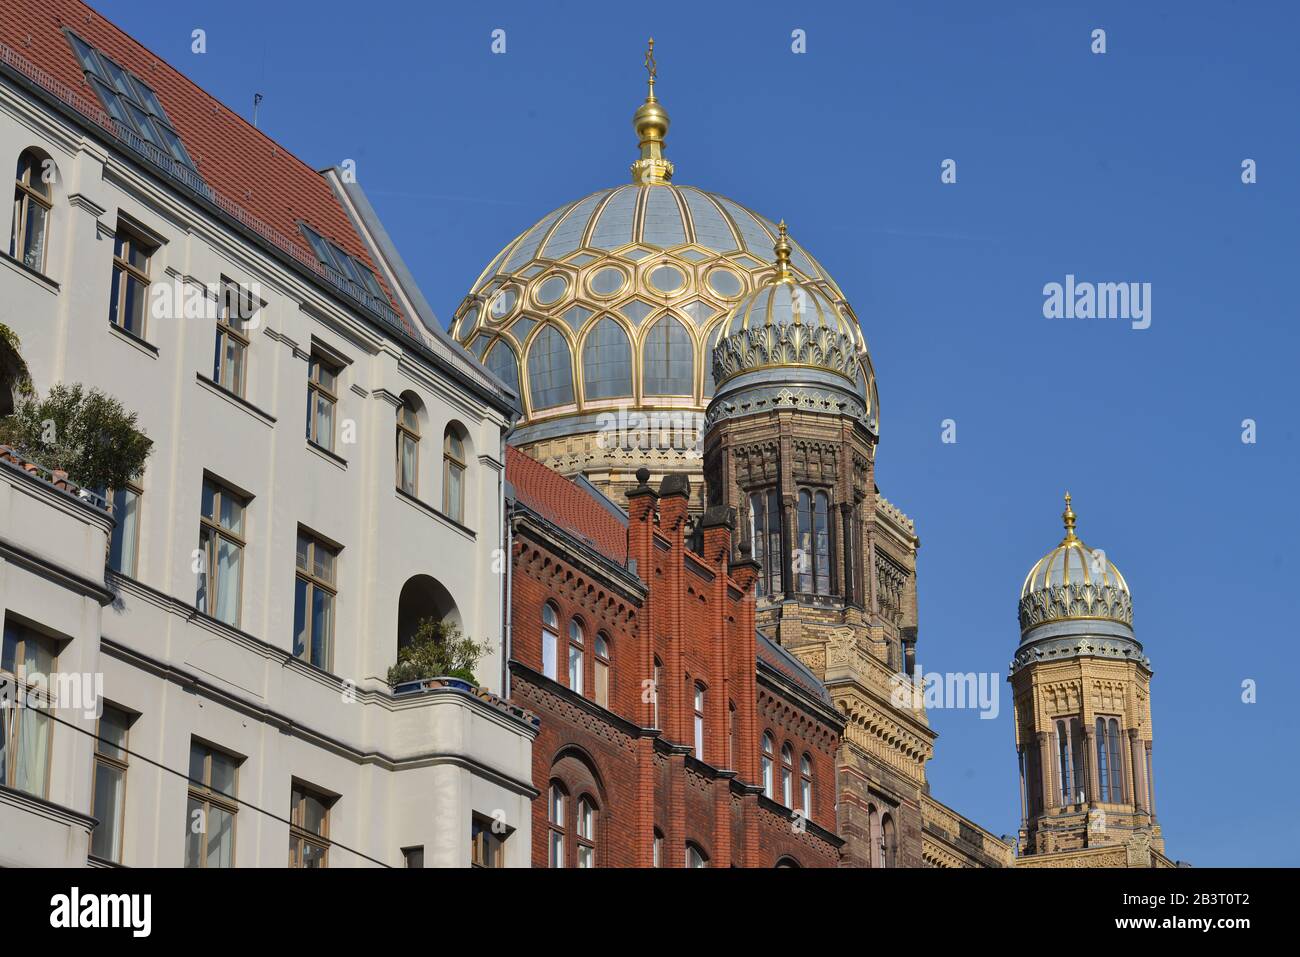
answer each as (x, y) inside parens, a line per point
(651, 124)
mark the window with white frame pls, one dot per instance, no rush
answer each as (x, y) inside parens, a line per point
(576, 656)
(550, 641)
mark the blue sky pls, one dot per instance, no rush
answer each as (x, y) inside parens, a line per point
(1117, 167)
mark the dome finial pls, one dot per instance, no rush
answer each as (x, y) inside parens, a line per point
(651, 124)
(782, 249)
(1068, 517)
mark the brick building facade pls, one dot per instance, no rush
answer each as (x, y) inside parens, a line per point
(672, 733)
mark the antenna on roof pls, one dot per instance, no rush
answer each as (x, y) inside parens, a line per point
(257, 100)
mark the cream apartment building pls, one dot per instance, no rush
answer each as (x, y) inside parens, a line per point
(326, 471)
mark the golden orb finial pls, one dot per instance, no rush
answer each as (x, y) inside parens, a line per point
(1068, 517)
(651, 124)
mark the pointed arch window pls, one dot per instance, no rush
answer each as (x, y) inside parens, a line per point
(805, 785)
(550, 370)
(602, 670)
(889, 839)
(576, 656)
(606, 361)
(501, 362)
(668, 359)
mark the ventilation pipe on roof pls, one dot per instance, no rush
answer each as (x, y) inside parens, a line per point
(257, 101)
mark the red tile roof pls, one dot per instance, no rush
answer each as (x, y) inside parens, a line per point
(566, 504)
(240, 163)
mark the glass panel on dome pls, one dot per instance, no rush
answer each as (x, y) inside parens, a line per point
(502, 303)
(694, 255)
(711, 228)
(551, 289)
(568, 235)
(614, 225)
(531, 271)
(667, 278)
(468, 322)
(662, 225)
(780, 307)
(699, 310)
(606, 361)
(749, 262)
(668, 359)
(607, 281)
(636, 310)
(725, 283)
(637, 255)
(576, 317)
(527, 247)
(522, 327)
(757, 241)
(582, 259)
(480, 344)
(501, 363)
(550, 370)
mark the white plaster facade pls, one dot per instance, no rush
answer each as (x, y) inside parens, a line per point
(408, 770)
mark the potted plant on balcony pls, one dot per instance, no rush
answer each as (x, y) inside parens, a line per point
(82, 432)
(438, 650)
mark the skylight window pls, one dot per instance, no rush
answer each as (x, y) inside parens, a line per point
(129, 101)
(351, 268)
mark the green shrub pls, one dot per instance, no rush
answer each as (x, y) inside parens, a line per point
(437, 649)
(82, 431)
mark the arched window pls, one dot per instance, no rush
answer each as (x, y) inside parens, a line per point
(606, 361)
(667, 359)
(602, 670)
(787, 862)
(813, 560)
(695, 857)
(575, 656)
(766, 761)
(556, 824)
(32, 202)
(501, 362)
(1110, 761)
(550, 370)
(453, 475)
(654, 692)
(550, 640)
(765, 539)
(1069, 753)
(699, 721)
(805, 785)
(586, 828)
(408, 446)
(889, 836)
(821, 544)
(787, 775)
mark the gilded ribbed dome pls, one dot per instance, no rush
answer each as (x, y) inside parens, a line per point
(1073, 582)
(616, 300)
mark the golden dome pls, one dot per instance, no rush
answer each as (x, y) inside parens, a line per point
(616, 300)
(1074, 582)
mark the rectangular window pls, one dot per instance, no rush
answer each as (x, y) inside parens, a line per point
(221, 542)
(25, 732)
(309, 819)
(124, 545)
(129, 301)
(413, 857)
(322, 397)
(487, 846)
(110, 784)
(550, 643)
(313, 601)
(699, 722)
(211, 807)
(236, 311)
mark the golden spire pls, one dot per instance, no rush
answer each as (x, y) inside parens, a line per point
(1068, 516)
(651, 124)
(782, 249)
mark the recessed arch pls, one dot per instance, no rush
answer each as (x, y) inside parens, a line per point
(422, 597)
